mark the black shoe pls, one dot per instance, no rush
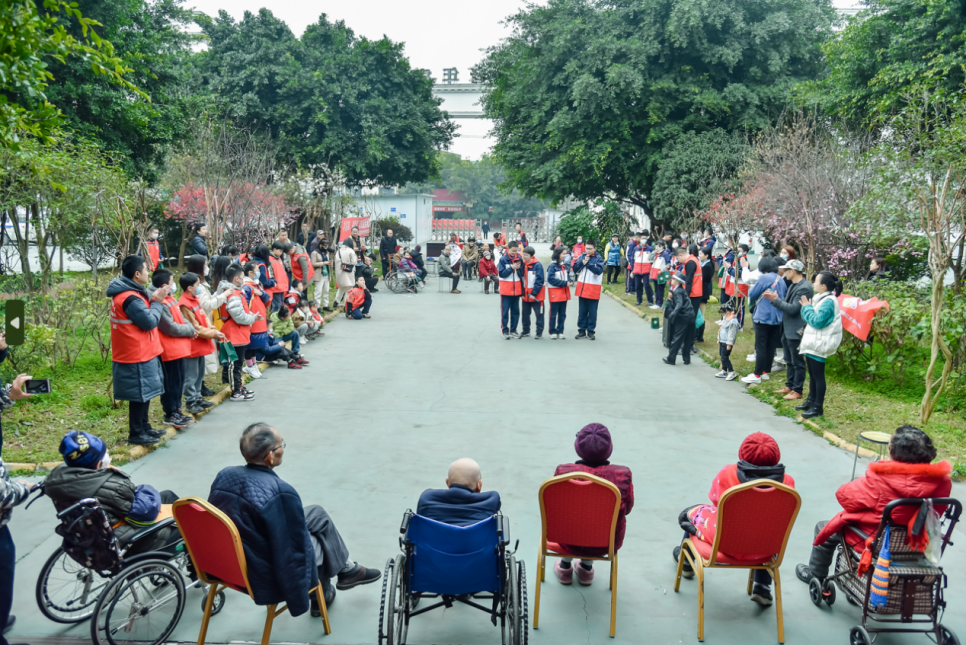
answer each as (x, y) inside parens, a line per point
(581, 335)
(591, 336)
(360, 575)
(665, 359)
(373, 290)
(814, 411)
(804, 406)
(761, 594)
(329, 309)
(687, 571)
(207, 391)
(314, 608)
(804, 573)
(143, 439)
(155, 433)
(176, 421)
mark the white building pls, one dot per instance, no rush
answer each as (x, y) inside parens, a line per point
(415, 211)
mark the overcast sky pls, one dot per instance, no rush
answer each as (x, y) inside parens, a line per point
(437, 34)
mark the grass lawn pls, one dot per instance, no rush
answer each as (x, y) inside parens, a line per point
(852, 405)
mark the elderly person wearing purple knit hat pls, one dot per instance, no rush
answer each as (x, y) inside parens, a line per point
(594, 447)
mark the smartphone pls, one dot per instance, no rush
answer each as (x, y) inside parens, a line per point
(37, 386)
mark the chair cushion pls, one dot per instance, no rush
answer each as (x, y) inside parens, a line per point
(704, 550)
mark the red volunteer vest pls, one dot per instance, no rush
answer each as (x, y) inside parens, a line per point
(243, 259)
(235, 334)
(531, 278)
(559, 294)
(175, 347)
(130, 343)
(588, 284)
(199, 346)
(511, 286)
(277, 269)
(297, 268)
(731, 281)
(356, 296)
(697, 284)
(154, 254)
(256, 306)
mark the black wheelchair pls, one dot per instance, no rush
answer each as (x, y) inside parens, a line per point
(454, 564)
(129, 597)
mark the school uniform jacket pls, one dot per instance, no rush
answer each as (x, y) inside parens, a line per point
(511, 280)
(589, 276)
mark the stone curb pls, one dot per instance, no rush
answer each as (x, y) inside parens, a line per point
(136, 452)
(832, 438)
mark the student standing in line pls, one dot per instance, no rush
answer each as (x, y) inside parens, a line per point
(558, 281)
(533, 280)
(658, 265)
(510, 272)
(590, 274)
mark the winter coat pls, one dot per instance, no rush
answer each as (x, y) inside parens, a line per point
(345, 279)
(281, 327)
(405, 264)
(198, 245)
(791, 308)
(417, 257)
(458, 505)
(557, 275)
(234, 304)
(12, 494)
(113, 488)
(680, 309)
(471, 252)
(864, 499)
(765, 312)
(534, 269)
(138, 382)
(271, 522)
(621, 477)
(823, 331)
(445, 264)
(207, 301)
(387, 246)
(487, 267)
(261, 267)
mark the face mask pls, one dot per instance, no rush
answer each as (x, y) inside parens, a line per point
(106, 461)
(154, 236)
(206, 269)
(675, 245)
(783, 256)
(580, 240)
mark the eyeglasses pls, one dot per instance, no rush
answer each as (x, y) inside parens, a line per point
(277, 448)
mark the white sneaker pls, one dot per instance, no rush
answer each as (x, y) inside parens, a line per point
(750, 358)
(721, 374)
(252, 371)
(732, 376)
(257, 372)
(765, 377)
(553, 336)
(751, 378)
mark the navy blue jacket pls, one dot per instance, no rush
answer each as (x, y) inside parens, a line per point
(269, 516)
(458, 505)
(557, 275)
(262, 270)
(538, 277)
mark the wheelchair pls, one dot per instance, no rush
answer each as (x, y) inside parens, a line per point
(915, 586)
(401, 281)
(454, 564)
(138, 597)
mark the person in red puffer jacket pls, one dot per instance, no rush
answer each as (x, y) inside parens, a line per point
(758, 458)
(487, 272)
(594, 447)
(909, 473)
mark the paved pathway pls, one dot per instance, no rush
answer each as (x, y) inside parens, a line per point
(388, 403)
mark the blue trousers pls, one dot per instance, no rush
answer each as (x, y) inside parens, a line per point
(510, 307)
(558, 314)
(642, 284)
(277, 301)
(659, 294)
(8, 557)
(587, 314)
(292, 336)
(537, 309)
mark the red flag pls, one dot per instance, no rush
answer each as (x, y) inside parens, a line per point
(857, 314)
(347, 224)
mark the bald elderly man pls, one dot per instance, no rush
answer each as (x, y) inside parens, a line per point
(463, 501)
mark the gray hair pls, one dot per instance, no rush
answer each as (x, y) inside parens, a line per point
(257, 441)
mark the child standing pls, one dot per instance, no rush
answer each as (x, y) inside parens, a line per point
(727, 336)
(237, 328)
(558, 279)
(176, 337)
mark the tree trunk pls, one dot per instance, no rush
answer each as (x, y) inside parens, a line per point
(60, 249)
(23, 247)
(184, 244)
(937, 346)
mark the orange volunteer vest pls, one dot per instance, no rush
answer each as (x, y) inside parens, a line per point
(130, 343)
(236, 334)
(172, 347)
(199, 346)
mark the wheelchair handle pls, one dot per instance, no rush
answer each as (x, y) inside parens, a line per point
(954, 510)
(39, 489)
(88, 502)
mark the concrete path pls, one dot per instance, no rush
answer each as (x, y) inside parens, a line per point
(388, 403)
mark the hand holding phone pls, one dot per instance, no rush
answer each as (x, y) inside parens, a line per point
(37, 386)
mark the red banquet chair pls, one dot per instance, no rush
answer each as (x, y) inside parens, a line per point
(578, 509)
(753, 519)
(216, 551)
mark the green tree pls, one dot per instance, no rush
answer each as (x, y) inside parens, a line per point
(33, 36)
(887, 50)
(332, 98)
(585, 95)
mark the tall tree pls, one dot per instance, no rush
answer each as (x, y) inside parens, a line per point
(332, 98)
(585, 94)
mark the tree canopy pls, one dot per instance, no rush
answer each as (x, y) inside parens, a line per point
(332, 98)
(585, 94)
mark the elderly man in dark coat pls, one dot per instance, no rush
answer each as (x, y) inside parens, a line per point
(136, 346)
(463, 501)
(288, 548)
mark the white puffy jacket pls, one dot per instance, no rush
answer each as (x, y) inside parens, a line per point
(823, 342)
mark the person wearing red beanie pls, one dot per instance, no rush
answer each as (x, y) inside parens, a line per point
(758, 458)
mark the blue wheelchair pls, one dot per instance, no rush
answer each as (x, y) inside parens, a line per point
(454, 564)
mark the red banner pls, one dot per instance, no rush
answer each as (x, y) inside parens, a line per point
(857, 314)
(349, 222)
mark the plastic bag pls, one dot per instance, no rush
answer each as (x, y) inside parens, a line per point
(934, 548)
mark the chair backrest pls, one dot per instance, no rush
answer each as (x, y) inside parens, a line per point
(88, 536)
(213, 543)
(453, 560)
(755, 519)
(579, 509)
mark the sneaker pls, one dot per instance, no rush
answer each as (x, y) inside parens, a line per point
(241, 395)
(581, 335)
(175, 421)
(732, 376)
(751, 378)
(456, 291)
(750, 358)
(252, 371)
(721, 374)
(765, 377)
(515, 335)
(206, 404)
(294, 365)
(655, 307)
(143, 439)
(155, 433)
(207, 391)
(506, 336)
(538, 337)
(359, 575)
(195, 408)
(687, 571)
(554, 336)
(761, 594)
(247, 391)
(525, 334)
(591, 335)
(564, 575)
(302, 361)
(585, 576)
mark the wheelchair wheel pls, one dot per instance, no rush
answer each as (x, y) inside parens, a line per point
(520, 636)
(859, 636)
(216, 606)
(66, 590)
(828, 593)
(396, 283)
(143, 603)
(815, 591)
(392, 617)
(948, 637)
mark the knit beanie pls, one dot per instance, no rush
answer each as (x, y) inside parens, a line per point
(760, 449)
(593, 443)
(82, 450)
